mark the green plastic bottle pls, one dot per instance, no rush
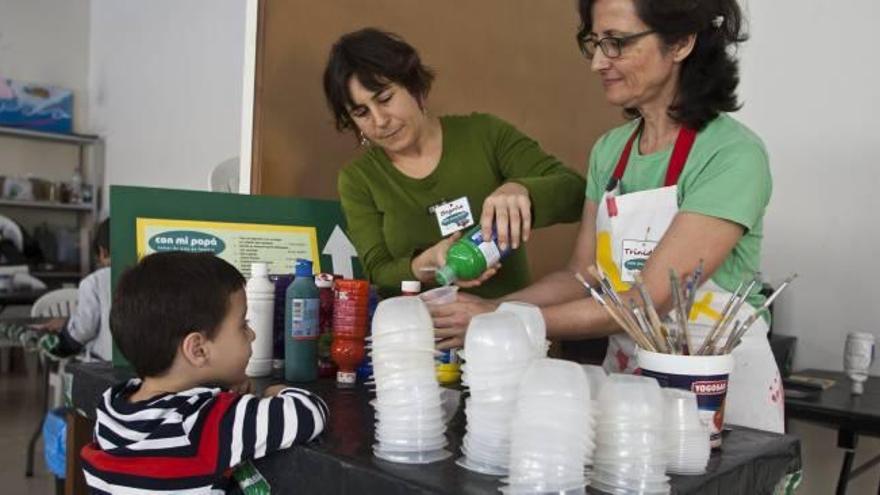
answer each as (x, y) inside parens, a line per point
(250, 480)
(301, 310)
(470, 256)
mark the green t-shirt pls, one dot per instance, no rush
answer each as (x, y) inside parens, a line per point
(727, 175)
(388, 214)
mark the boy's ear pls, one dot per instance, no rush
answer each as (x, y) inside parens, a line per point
(103, 255)
(194, 349)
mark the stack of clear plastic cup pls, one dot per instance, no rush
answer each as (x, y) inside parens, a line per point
(497, 351)
(596, 377)
(552, 432)
(534, 322)
(686, 435)
(631, 445)
(409, 414)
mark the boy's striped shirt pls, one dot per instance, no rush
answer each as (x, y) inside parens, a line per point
(186, 442)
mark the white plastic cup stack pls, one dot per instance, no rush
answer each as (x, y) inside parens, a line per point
(497, 351)
(631, 445)
(409, 414)
(686, 435)
(552, 433)
(596, 377)
(534, 322)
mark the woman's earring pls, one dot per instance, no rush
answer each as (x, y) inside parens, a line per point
(363, 138)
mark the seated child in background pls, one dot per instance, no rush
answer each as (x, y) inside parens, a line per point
(179, 319)
(89, 326)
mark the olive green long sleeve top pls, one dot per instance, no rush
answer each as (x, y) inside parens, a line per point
(388, 213)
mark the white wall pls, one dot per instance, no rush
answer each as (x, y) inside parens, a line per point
(810, 82)
(810, 79)
(166, 87)
(45, 41)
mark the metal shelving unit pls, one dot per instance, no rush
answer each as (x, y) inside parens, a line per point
(80, 139)
(51, 205)
(91, 167)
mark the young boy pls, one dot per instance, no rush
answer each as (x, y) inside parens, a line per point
(179, 319)
(89, 326)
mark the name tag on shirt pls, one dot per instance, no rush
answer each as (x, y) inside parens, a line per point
(634, 254)
(453, 216)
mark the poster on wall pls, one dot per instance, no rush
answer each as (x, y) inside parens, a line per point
(238, 243)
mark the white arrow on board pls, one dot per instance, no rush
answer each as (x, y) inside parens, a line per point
(340, 250)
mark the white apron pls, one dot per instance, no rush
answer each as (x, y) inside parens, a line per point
(628, 227)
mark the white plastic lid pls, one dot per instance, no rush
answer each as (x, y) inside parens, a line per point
(860, 336)
(858, 388)
(324, 280)
(345, 377)
(259, 269)
(411, 286)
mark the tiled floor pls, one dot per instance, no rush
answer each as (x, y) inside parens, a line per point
(20, 410)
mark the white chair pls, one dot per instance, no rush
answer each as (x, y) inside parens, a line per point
(10, 230)
(60, 303)
(225, 176)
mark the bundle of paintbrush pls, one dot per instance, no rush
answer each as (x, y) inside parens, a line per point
(713, 344)
(640, 320)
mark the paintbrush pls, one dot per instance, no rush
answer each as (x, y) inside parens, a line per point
(692, 288)
(605, 284)
(724, 310)
(611, 311)
(645, 327)
(732, 343)
(651, 311)
(617, 303)
(736, 307)
(678, 305)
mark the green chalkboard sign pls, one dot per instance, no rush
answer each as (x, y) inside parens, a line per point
(321, 221)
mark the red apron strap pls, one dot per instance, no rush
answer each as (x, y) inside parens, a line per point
(683, 144)
(624, 155)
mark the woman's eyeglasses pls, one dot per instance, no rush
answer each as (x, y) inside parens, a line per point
(611, 46)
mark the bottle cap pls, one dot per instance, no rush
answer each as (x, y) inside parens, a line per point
(259, 270)
(858, 388)
(346, 377)
(303, 268)
(324, 280)
(411, 286)
(445, 275)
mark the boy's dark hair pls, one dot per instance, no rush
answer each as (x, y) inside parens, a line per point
(710, 74)
(165, 297)
(102, 238)
(376, 58)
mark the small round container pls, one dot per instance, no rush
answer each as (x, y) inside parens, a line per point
(705, 376)
(408, 457)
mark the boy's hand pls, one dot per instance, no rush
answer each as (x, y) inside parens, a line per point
(245, 387)
(274, 389)
(54, 325)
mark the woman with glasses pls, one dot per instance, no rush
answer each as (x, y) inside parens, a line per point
(422, 179)
(682, 186)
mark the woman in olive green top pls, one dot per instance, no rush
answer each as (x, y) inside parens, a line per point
(414, 163)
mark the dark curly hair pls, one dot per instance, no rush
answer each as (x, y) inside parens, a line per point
(376, 58)
(165, 297)
(710, 74)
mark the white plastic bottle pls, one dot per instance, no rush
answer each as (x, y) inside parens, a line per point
(76, 186)
(261, 305)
